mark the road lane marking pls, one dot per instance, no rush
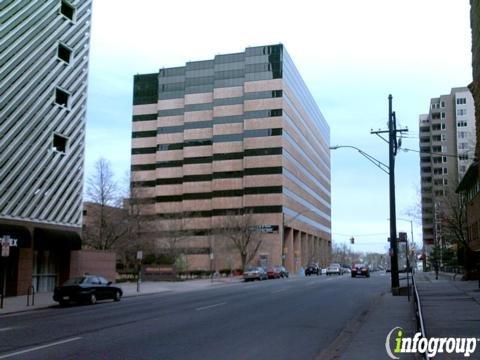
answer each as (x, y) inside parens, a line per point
(277, 291)
(6, 329)
(39, 347)
(210, 306)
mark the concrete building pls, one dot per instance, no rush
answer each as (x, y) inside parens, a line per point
(239, 134)
(447, 146)
(470, 184)
(43, 92)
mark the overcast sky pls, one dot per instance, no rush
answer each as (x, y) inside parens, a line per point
(350, 53)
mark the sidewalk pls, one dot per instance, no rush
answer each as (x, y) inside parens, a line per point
(451, 307)
(368, 339)
(44, 300)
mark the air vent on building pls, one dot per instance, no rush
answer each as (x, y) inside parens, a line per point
(60, 143)
(64, 53)
(61, 97)
(67, 10)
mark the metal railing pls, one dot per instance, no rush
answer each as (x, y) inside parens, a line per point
(419, 315)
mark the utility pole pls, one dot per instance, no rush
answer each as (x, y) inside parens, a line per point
(393, 145)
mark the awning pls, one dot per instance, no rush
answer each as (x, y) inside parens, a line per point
(20, 233)
(48, 239)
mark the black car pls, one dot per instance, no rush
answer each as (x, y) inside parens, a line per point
(283, 271)
(360, 270)
(312, 270)
(86, 289)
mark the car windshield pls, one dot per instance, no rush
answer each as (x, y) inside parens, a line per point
(75, 281)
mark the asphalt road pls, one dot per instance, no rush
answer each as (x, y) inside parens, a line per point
(295, 318)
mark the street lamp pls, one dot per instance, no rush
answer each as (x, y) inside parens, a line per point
(287, 223)
(388, 169)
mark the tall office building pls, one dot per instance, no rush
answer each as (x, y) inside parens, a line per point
(239, 134)
(43, 91)
(447, 147)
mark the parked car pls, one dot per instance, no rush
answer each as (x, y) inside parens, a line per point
(255, 273)
(360, 270)
(312, 270)
(283, 271)
(86, 289)
(334, 269)
(274, 273)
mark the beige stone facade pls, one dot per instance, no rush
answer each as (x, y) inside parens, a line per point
(238, 134)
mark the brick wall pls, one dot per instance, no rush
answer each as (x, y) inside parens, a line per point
(95, 262)
(25, 269)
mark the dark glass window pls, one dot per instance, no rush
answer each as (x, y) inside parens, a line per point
(198, 124)
(195, 178)
(227, 174)
(60, 143)
(263, 152)
(62, 97)
(171, 112)
(171, 163)
(228, 119)
(145, 89)
(228, 193)
(142, 134)
(199, 107)
(169, 198)
(263, 95)
(166, 147)
(67, 10)
(169, 181)
(64, 53)
(227, 137)
(203, 142)
(264, 171)
(145, 117)
(198, 160)
(262, 132)
(137, 184)
(228, 156)
(148, 150)
(142, 167)
(228, 101)
(170, 129)
(262, 113)
(263, 190)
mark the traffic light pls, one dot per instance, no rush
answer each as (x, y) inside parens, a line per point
(352, 240)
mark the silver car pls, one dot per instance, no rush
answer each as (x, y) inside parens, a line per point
(334, 269)
(255, 273)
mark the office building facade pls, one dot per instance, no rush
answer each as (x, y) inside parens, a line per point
(43, 92)
(239, 134)
(447, 148)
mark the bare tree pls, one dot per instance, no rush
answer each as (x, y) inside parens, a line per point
(174, 228)
(242, 231)
(107, 221)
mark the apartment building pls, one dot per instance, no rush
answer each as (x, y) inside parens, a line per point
(447, 147)
(43, 92)
(239, 134)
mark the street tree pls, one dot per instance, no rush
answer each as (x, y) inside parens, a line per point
(107, 221)
(244, 235)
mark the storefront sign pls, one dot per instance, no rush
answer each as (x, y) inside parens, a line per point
(7, 242)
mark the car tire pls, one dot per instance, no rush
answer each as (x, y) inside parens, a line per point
(353, 276)
(92, 299)
(63, 303)
(117, 296)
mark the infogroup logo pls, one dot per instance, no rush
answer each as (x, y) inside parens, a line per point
(397, 343)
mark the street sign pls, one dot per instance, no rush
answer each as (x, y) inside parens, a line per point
(139, 255)
(5, 249)
(7, 242)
